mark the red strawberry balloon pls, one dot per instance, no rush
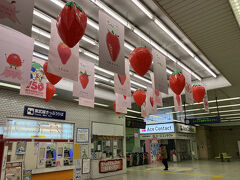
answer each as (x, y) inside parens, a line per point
(64, 52)
(140, 60)
(51, 77)
(198, 93)
(50, 90)
(177, 82)
(71, 23)
(139, 97)
(114, 107)
(113, 45)
(84, 79)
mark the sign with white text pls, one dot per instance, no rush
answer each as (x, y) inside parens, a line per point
(158, 128)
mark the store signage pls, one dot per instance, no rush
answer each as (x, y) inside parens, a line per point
(203, 120)
(185, 128)
(44, 113)
(169, 136)
(158, 128)
(110, 165)
(135, 124)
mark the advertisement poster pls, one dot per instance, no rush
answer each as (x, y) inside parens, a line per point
(21, 147)
(13, 170)
(188, 87)
(84, 151)
(86, 166)
(157, 94)
(150, 102)
(17, 15)
(122, 83)
(27, 174)
(85, 86)
(82, 135)
(62, 60)
(111, 44)
(37, 84)
(160, 72)
(205, 101)
(177, 103)
(121, 103)
(16, 52)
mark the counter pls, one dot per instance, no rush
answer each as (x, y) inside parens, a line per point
(108, 167)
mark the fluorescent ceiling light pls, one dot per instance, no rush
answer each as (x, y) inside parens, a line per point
(233, 110)
(37, 43)
(55, 95)
(140, 78)
(236, 9)
(103, 105)
(59, 3)
(138, 84)
(169, 71)
(102, 78)
(133, 89)
(225, 115)
(137, 112)
(94, 56)
(9, 85)
(231, 118)
(89, 40)
(36, 54)
(39, 31)
(41, 15)
(143, 8)
(205, 67)
(129, 46)
(133, 117)
(92, 23)
(104, 71)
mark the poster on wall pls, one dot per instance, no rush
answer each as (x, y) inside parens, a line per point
(188, 87)
(177, 103)
(16, 52)
(84, 151)
(17, 15)
(13, 170)
(27, 174)
(82, 135)
(121, 103)
(62, 60)
(157, 94)
(160, 72)
(86, 166)
(122, 83)
(85, 86)
(205, 101)
(111, 44)
(77, 173)
(37, 84)
(150, 102)
(21, 147)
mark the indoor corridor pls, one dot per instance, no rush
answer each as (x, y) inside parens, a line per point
(188, 170)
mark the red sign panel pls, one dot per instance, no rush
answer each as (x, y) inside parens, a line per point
(110, 165)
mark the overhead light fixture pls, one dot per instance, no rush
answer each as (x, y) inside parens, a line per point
(143, 8)
(169, 71)
(103, 78)
(9, 85)
(99, 104)
(104, 71)
(89, 40)
(129, 46)
(55, 95)
(94, 56)
(133, 89)
(41, 15)
(225, 115)
(92, 23)
(137, 112)
(59, 3)
(236, 9)
(39, 31)
(36, 54)
(44, 46)
(205, 67)
(138, 84)
(140, 78)
(134, 117)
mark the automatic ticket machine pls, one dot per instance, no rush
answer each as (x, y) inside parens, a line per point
(68, 154)
(51, 155)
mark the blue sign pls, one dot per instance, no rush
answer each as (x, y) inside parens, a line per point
(203, 120)
(44, 113)
(158, 128)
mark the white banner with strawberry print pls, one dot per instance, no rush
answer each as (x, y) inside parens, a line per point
(177, 103)
(62, 60)
(188, 87)
(150, 102)
(121, 103)
(17, 15)
(122, 83)
(144, 110)
(205, 100)
(157, 94)
(38, 80)
(160, 72)
(84, 88)
(16, 52)
(111, 44)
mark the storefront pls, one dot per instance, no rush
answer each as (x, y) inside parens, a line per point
(179, 138)
(74, 143)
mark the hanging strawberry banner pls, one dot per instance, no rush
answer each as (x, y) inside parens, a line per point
(198, 92)
(53, 79)
(139, 97)
(50, 90)
(121, 103)
(114, 107)
(71, 23)
(140, 60)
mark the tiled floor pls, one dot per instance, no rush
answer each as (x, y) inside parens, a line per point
(188, 170)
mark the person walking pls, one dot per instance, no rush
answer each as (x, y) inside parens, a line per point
(164, 156)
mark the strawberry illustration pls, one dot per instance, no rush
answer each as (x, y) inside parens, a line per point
(64, 52)
(151, 101)
(125, 97)
(114, 107)
(157, 93)
(14, 60)
(113, 45)
(141, 60)
(84, 79)
(122, 79)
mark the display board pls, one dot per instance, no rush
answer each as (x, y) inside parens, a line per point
(82, 135)
(86, 166)
(158, 128)
(103, 129)
(31, 129)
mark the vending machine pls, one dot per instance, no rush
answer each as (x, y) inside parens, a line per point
(51, 155)
(68, 154)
